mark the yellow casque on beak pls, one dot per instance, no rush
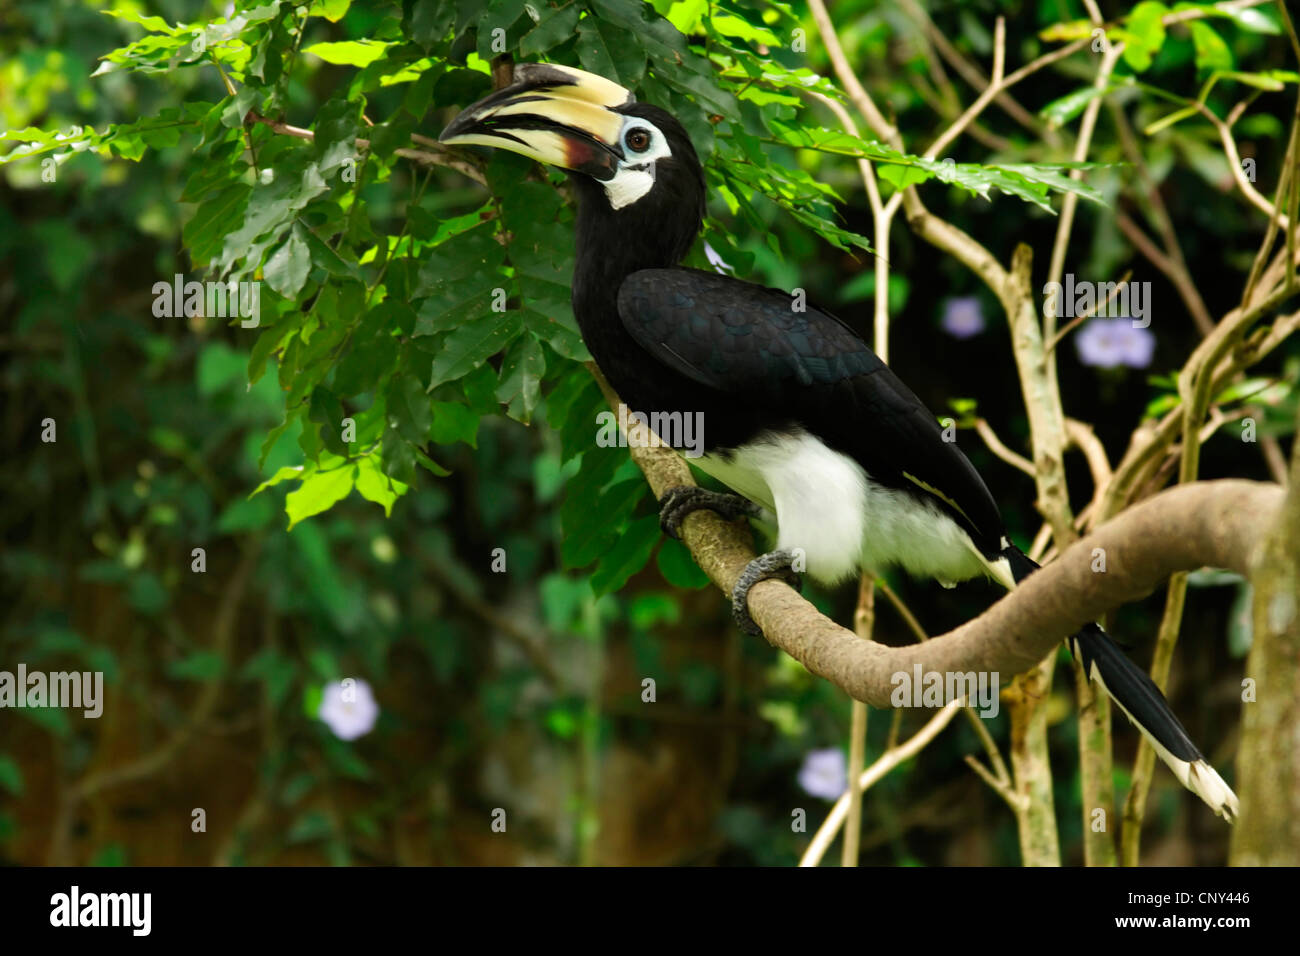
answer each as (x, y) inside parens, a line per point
(554, 114)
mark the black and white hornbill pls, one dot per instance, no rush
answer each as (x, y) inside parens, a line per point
(802, 419)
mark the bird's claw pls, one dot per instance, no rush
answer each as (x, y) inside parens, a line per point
(680, 500)
(774, 564)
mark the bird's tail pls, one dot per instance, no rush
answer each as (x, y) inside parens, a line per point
(1142, 702)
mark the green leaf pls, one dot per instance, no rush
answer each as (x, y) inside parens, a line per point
(591, 519)
(900, 177)
(678, 567)
(372, 349)
(287, 270)
(472, 344)
(215, 218)
(555, 326)
(375, 486)
(628, 555)
(271, 209)
(457, 282)
(1144, 34)
(453, 422)
(326, 258)
(610, 51)
(427, 23)
(732, 26)
(494, 24)
(429, 465)
(555, 26)
(409, 409)
(319, 492)
(1051, 177)
(337, 126)
(1211, 52)
(1059, 112)
(332, 10)
(685, 15)
(349, 52)
(154, 24)
(284, 474)
(521, 376)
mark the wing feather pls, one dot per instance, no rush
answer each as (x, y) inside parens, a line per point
(749, 344)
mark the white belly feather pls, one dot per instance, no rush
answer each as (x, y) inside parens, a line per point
(825, 503)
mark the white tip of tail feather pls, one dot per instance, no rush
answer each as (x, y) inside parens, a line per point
(1204, 781)
(1200, 778)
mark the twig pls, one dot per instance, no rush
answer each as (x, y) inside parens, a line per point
(985, 431)
(996, 84)
(436, 155)
(886, 762)
(1089, 313)
(972, 73)
(1171, 262)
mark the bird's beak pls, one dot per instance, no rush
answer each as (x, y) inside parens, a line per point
(555, 114)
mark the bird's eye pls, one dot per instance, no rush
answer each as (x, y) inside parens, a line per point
(637, 140)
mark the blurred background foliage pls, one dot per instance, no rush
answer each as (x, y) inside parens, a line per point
(498, 582)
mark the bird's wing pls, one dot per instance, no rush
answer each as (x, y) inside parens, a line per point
(750, 344)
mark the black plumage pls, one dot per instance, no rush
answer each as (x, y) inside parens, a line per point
(799, 414)
(758, 362)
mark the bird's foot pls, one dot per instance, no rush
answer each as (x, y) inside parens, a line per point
(680, 500)
(774, 564)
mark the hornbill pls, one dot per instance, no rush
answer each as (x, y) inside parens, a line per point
(803, 420)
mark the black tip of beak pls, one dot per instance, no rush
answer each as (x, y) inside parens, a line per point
(463, 123)
(527, 77)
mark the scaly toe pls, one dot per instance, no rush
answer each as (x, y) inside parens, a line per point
(774, 564)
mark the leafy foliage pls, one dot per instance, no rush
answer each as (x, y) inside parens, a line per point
(412, 321)
(413, 337)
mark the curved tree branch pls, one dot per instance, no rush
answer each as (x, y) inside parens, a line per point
(1214, 523)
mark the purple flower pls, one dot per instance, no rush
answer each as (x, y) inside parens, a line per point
(963, 317)
(349, 708)
(824, 773)
(1108, 343)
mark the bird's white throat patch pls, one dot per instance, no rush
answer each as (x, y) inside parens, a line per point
(629, 184)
